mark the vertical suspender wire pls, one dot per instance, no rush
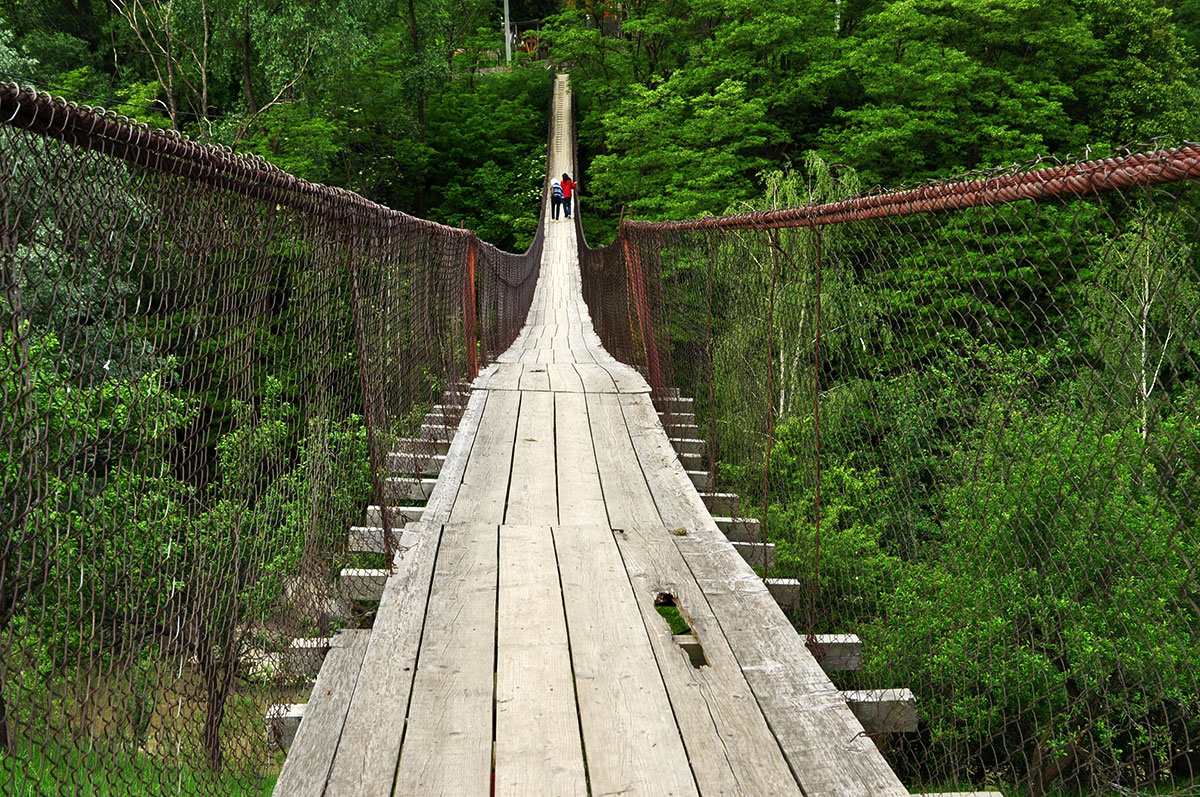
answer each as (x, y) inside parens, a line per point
(369, 410)
(470, 325)
(766, 483)
(816, 375)
(711, 375)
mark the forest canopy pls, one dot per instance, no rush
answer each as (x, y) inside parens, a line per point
(1009, 398)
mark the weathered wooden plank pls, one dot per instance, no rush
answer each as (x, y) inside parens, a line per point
(626, 379)
(818, 734)
(580, 497)
(362, 584)
(416, 464)
(688, 445)
(838, 652)
(595, 379)
(484, 489)
(399, 515)
(630, 738)
(626, 496)
(533, 491)
(677, 405)
(883, 710)
(538, 747)
(447, 746)
(306, 769)
(535, 377)
(366, 759)
(369, 539)
(701, 480)
(721, 503)
(401, 488)
(441, 502)
(728, 741)
(417, 446)
(564, 378)
(506, 377)
(756, 554)
(672, 420)
(739, 529)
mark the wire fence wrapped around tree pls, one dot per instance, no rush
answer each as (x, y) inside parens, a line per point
(966, 414)
(208, 365)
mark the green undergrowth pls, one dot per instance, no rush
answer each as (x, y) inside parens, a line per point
(40, 771)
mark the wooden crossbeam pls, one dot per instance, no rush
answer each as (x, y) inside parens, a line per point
(756, 555)
(688, 445)
(883, 710)
(720, 503)
(738, 529)
(361, 584)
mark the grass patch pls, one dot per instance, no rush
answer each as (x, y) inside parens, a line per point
(37, 770)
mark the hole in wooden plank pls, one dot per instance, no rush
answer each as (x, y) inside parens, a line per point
(681, 631)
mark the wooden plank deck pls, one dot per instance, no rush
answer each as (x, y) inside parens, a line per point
(518, 650)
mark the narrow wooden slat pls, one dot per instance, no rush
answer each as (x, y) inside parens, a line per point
(756, 554)
(626, 379)
(595, 379)
(535, 377)
(448, 741)
(369, 539)
(884, 710)
(400, 515)
(580, 498)
(564, 378)
(306, 769)
(630, 738)
(407, 489)
(366, 759)
(537, 727)
(362, 584)
(727, 738)
(739, 529)
(506, 377)
(441, 501)
(533, 491)
(626, 496)
(484, 489)
(838, 652)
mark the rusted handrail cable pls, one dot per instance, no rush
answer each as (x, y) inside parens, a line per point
(168, 152)
(1076, 179)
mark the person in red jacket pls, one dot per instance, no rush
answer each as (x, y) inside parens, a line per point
(568, 190)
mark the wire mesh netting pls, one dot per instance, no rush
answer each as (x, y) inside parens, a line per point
(211, 369)
(969, 424)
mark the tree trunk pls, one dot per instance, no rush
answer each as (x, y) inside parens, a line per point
(243, 45)
(217, 682)
(5, 738)
(417, 51)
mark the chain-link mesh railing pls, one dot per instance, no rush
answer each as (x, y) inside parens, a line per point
(967, 417)
(209, 366)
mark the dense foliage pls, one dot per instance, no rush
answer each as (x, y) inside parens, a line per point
(1009, 401)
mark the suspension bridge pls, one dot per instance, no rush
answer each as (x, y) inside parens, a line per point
(202, 350)
(518, 641)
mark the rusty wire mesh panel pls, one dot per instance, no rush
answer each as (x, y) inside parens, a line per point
(974, 437)
(210, 370)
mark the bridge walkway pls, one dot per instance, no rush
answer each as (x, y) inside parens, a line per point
(519, 648)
